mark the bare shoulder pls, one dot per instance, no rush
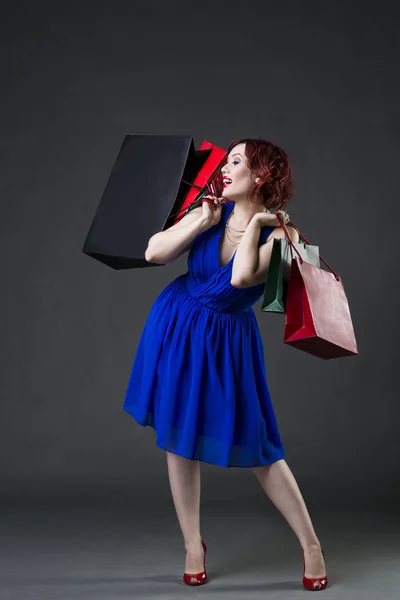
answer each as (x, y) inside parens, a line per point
(279, 233)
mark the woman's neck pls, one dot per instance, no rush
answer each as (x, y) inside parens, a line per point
(243, 213)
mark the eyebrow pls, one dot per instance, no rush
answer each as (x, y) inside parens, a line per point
(236, 154)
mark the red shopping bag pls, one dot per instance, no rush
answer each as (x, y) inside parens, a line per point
(318, 319)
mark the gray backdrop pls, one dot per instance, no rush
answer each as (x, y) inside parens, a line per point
(319, 79)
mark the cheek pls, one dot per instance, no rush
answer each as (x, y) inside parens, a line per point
(243, 176)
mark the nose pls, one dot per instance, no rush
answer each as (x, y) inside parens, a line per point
(224, 170)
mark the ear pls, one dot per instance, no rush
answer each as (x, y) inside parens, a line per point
(257, 179)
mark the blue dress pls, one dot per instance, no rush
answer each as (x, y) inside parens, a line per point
(198, 377)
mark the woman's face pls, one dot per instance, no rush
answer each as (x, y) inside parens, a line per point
(237, 177)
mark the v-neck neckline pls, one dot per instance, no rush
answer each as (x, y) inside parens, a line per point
(220, 234)
(221, 224)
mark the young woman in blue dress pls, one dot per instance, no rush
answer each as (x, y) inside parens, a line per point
(257, 177)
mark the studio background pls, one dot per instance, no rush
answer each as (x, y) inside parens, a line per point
(316, 78)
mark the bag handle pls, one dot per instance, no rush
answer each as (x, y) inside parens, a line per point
(206, 189)
(282, 224)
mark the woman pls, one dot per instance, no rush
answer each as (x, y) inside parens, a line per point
(199, 376)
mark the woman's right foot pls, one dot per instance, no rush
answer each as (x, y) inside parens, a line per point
(201, 576)
(194, 557)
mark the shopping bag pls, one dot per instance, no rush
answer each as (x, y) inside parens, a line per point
(276, 283)
(318, 319)
(155, 180)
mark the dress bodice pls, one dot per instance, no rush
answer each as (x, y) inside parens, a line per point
(210, 283)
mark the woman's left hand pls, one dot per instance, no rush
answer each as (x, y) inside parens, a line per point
(269, 219)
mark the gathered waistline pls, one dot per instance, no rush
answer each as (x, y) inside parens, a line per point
(223, 312)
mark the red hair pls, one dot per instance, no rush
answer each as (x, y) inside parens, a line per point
(269, 162)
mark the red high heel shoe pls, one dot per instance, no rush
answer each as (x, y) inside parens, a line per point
(314, 583)
(197, 578)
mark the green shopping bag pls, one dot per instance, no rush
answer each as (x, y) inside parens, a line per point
(276, 283)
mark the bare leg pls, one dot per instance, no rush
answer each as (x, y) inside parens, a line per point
(184, 478)
(280, 485)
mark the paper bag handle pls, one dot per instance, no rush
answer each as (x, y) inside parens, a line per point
(282, 224)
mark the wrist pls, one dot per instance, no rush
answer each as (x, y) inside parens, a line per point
(255, 221)
(203, 223)
(266, 219)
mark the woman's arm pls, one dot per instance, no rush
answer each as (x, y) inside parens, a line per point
(251, 262)
(166, 246)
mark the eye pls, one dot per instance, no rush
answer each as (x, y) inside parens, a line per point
(236, 161)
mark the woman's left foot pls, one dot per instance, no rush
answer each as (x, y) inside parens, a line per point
(314, 562)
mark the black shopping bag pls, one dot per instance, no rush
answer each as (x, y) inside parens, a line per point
(146, 193)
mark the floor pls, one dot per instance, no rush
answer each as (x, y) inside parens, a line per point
(74, 551)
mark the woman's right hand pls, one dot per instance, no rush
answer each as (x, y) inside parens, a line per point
(211, 211)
